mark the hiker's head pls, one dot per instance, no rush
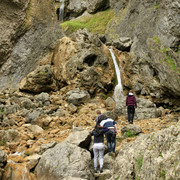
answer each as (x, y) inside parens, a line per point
(98, 112)
(101, 117)
(130, 93)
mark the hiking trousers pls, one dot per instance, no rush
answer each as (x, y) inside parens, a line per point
(131, 112)
(111, 141)
(98, 149)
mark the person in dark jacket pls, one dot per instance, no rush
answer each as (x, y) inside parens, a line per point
(131, 105)
(98, 147)
(110, 124)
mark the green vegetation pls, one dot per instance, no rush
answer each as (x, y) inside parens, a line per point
(129, 134)
(118, 139)
(94, 23)
(139, 161)
(2, 111)
(2, 143)
(157, 40)
(163, 174)
(168, 60)
(157, 6)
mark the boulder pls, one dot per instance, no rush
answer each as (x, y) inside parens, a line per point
(43, 99)
(130, 130)
(26, 103)
(77, 96)
(111, 115)
(123, 43)
(76, 7)
(82, 61)
(150, 156)
(81, 138)
(33, 117)
(35, 129)
(3, 161)
(40, 80)
(94, 5)
(10, 135)
(64, 160)
(45, 147)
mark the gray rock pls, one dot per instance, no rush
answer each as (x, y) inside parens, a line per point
(10, 109)
(3, 161)
(45, 147)
(32, 117)
(150, 155)
(39, 80)
(81, 138)
(42, 99)
(26, 103)
(10, 135)
(3, 158)
(62, 161)
(8, 122)
(138, 88)
(77, 96)
(94, 5)
(72, 108)
(76, 7)
(132, 129)
(123, 43)
(111, 115)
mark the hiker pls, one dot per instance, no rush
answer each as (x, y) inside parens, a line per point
(98, 147)
(131, 105)
(98, 112)
(110, 134)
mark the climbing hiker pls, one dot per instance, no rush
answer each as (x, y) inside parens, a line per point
(131, 105)
(110, 134)
(98, 147)
(98, 112)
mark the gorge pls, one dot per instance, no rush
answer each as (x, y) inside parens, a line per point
(57, 70)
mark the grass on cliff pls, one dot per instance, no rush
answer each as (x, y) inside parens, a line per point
(169, 61)
(95, 23)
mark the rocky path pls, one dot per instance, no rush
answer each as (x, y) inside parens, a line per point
(25, 142)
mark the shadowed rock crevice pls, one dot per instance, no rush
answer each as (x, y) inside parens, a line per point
(90, 59)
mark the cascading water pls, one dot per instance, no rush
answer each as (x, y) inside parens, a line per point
(118, 91)
(61, 11)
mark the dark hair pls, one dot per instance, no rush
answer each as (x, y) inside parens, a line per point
(97, 128)
(101, 117)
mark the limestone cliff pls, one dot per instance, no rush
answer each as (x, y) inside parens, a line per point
(29, 29)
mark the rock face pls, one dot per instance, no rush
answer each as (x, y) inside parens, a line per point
(3, 161)
(40, 80)
(152, 156)
(74, 8)
(155, 57)
(82, 61)
(62, 161)
(31, 35)
(13, 11)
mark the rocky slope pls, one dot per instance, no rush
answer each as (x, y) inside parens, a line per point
(52, 83)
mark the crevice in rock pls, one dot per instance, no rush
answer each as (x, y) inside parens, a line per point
(90, 59)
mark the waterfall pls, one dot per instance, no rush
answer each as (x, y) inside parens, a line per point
(118, 91)
(61, 11)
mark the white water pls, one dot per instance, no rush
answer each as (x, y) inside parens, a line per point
(61, 11)
(118, 91)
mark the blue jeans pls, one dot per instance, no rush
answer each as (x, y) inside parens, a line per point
(111, 141)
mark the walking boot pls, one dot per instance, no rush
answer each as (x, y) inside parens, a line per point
(101, 170)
